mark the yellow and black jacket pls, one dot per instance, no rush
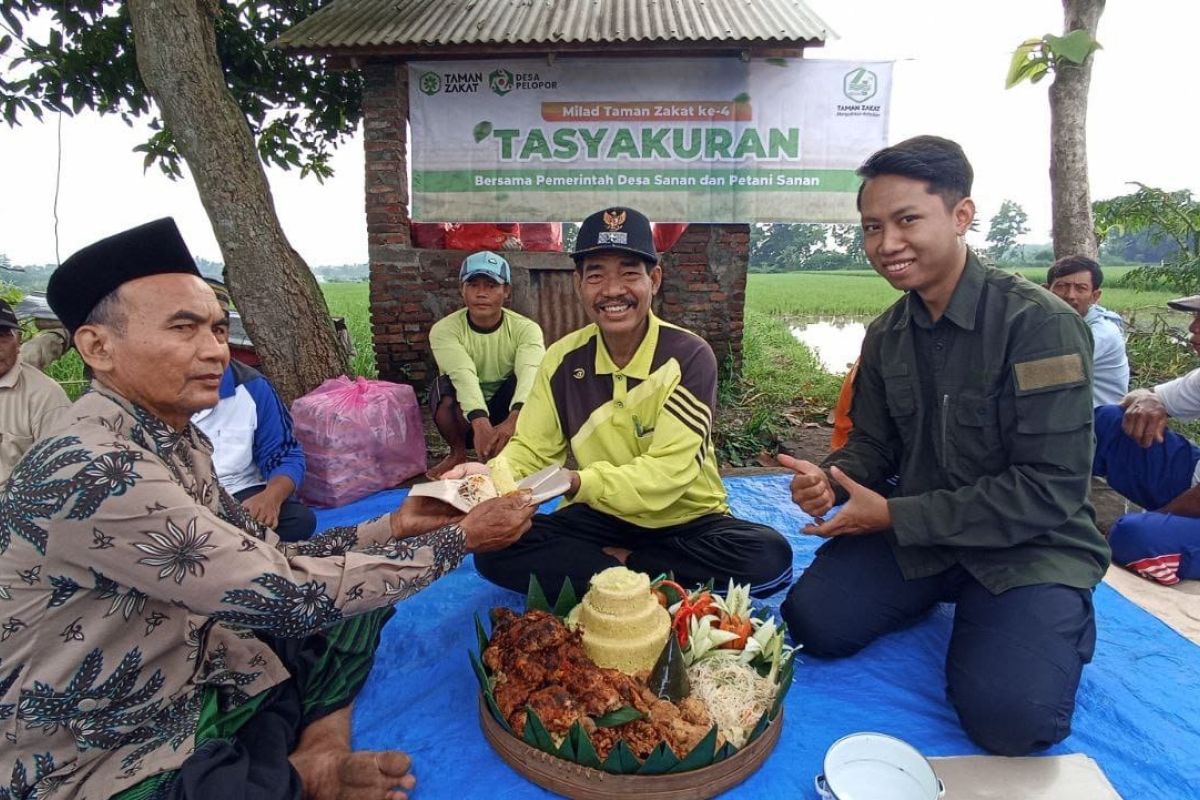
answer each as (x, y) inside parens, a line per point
(641, 434)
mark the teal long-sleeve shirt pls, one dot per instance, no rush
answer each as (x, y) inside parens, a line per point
(986, 416)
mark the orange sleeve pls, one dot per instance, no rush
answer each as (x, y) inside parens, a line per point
(841, 411)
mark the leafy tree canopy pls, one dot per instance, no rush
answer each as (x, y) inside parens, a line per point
(1165, 217)
(297, 111)
(1008, 225)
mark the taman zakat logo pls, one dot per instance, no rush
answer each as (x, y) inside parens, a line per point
(430, 82)
(860, 85)
(501, 81)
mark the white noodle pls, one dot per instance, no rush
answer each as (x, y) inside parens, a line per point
(734, 693)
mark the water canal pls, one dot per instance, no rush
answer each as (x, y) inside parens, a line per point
(835, 340)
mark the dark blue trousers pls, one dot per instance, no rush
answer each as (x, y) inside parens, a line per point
(1014, 661)
(1158, 546)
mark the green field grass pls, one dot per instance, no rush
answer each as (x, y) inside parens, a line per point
(837, 293)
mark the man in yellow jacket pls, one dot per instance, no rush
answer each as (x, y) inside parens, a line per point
(632, 398)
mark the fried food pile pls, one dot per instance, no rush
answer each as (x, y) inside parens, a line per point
(538, 662)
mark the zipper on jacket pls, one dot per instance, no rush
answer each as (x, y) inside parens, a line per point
(945, 414)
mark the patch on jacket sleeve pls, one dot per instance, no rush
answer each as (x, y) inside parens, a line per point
(1055, 372)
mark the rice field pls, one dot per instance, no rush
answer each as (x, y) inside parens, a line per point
(846, 292)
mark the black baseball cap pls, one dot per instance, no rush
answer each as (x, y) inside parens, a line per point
(618, 228)
(8, 317)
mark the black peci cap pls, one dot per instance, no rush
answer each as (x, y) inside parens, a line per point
(88, 276)
(616, 229)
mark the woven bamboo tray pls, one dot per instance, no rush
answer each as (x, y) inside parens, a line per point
(583, 783)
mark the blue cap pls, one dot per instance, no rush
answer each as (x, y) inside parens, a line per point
(485, 263)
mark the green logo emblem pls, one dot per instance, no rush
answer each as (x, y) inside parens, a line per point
(430, 82)
(860, 85)
(501, 81)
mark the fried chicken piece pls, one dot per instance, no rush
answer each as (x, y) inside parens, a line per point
(538, 663)
(557, 708)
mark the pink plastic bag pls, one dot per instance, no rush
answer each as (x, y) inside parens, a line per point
(358, 437)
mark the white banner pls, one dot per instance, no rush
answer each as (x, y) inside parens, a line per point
(682, 140)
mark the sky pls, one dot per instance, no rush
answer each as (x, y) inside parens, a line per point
(952, 57)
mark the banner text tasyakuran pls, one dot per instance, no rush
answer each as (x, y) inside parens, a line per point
(521, 141)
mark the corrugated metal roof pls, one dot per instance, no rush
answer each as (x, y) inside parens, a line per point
(350, 25)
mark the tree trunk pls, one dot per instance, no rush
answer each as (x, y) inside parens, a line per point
(280, 301)
(1074, 230)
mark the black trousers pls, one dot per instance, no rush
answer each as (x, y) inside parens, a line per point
(328, 670)
(568, 545)
(296, 520)
(1014, 661)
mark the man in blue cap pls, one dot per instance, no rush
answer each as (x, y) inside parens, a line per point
(487, 357)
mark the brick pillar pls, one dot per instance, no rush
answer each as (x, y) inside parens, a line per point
(704, 286)
(399, 324)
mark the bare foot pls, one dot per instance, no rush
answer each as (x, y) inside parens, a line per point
(329, 770)
(445, 465)
(619, 553)
(346, 775)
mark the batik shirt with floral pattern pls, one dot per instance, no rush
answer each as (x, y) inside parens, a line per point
(130, 581)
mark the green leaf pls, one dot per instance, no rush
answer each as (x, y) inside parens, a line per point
(480, 672)
(763, 722)
(567, 599)
(585, 753)
(482, 131)
(1075, 47)
(535, 734)
(661, 760)
(725, 752)
(1029, 59)
(621, 760)
(490, 699)
(785, 685)
(744, 97)
(566, 750)
(702, 754)
(535, 598)
(480, 635)
(619, 717)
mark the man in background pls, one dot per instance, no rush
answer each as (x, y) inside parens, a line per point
(1077, 280)
(29, 401)
(1156, 468)
(488, 356)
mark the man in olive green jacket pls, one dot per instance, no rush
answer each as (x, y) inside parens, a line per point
(975, 390)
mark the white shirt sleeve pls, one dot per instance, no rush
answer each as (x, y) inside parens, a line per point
(1181, 396)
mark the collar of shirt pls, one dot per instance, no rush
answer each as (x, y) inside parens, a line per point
(638, 366)
(10, 379)
(162, 436)
(963, 305)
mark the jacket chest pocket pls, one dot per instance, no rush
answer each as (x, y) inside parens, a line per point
(978, 448)
(901, 394)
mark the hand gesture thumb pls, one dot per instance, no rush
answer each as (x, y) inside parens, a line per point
(845, 481)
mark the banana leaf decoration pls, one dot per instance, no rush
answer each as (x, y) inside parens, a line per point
(576, 747)
(669, 678)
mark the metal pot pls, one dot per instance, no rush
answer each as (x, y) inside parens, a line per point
(875, 766)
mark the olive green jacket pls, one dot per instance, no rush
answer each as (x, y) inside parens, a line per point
(993, 448)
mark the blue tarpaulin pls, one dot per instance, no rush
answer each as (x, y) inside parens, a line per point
(1138, 709)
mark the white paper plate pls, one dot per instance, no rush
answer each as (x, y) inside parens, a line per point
(546, 484)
